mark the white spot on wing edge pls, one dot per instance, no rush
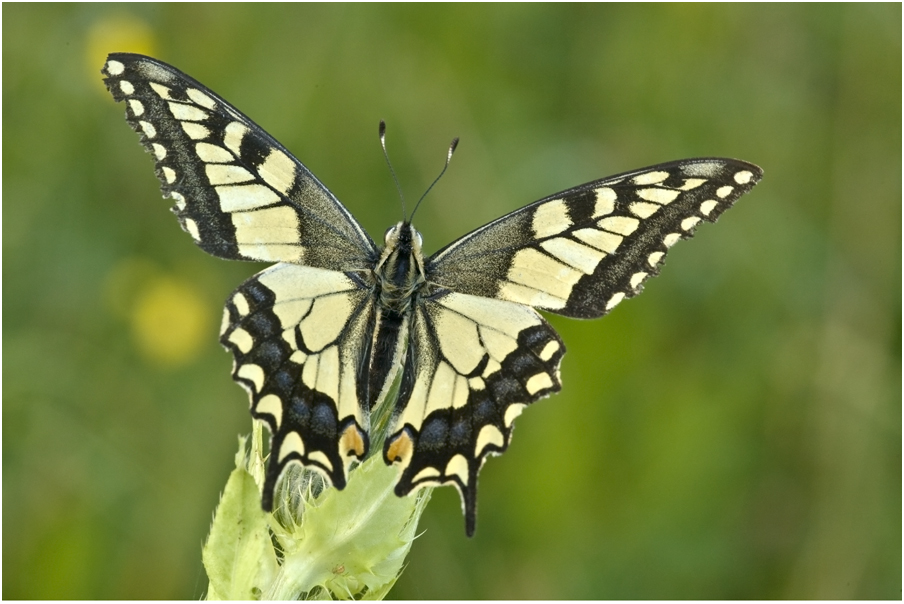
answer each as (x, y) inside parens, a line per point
(192, 227)
(690, 222)
(136, 107)
(180, 201)
(148, 129)
(292, 443)
(725, 191)
(253, 373)
(169, 174)
(614, 300)
(426, 474)
(654, 258)
(159, 151)
(114, 68)
(549, 350)
(708, 206)
(241, 304)
(458, 466)
(671, 239)
(225, 322)
(538, 382)
(126, 87)
(743, 177)
(637, 279)
(271, 405)
(242, 339)
(512, 412)
(489, 435)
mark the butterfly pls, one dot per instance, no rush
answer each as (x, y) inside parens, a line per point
(320, 337)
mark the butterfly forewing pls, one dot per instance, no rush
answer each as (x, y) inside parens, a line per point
(239, 193)
(580, 252)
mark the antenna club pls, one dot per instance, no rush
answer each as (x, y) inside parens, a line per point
(453, 146)
(382, 129)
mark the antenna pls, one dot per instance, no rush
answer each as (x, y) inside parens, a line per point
(443, 171)
(389, 163)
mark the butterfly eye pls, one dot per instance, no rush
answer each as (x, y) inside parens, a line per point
(388, 234)
(420, 240)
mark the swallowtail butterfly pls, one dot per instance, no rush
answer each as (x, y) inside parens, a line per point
(319, 337)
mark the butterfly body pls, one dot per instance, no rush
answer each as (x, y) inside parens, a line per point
(320, 337)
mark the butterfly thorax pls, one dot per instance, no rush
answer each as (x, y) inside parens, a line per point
(399, 274)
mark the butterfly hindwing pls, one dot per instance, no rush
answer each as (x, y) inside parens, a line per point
(473, 365)
(297, 334)
(580, 252)
(239, 193)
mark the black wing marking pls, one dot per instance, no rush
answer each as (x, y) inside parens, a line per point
(239, 193)
(582, 251)
(473, 365)
(298, 334)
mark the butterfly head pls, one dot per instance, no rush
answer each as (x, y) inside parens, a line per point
(403, 235)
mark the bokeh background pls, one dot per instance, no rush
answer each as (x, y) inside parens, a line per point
(735, 432)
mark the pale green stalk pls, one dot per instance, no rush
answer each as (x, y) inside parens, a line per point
(319, 543)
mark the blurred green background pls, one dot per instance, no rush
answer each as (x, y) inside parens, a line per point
(735, 432)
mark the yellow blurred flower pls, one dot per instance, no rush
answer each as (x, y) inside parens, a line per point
(170, 320)
(116, 33)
